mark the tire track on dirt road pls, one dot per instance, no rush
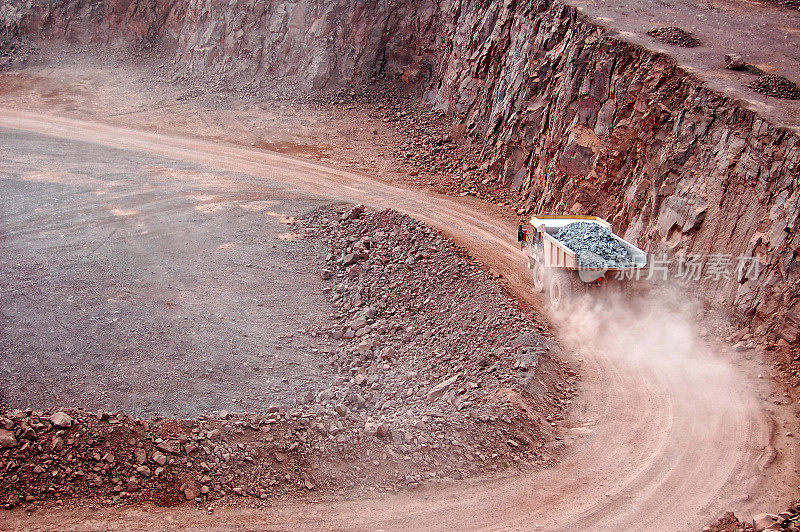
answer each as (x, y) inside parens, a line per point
(665, 440)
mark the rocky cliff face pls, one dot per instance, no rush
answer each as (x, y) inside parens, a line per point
(317, 43)
(580, 122)
(573, 118)
(305, 44)
(108, 22)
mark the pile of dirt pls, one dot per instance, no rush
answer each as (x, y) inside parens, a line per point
(729, 523)
(594, 245)
(675, 36)
(788, 520)
(108, 458)
(15, 51)
(777, 86)
(431, 348)
(437, 374)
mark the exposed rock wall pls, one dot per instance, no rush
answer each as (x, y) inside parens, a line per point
(579, 121)
(303, 44)
(108, 22)
(573, 118)
(318, 43)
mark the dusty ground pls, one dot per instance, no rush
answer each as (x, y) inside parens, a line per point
(140, 284)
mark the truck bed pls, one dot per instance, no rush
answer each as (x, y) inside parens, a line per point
(556, 254)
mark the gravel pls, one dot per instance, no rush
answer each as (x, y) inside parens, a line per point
(594, 246)
(674, 36)
(776, 86)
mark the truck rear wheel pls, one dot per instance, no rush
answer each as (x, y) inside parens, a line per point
(565, 287)
(539, 276)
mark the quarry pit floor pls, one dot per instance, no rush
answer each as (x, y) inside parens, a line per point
(651, 444)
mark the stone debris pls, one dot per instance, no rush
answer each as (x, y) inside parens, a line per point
(787, 520)
(776, 86)
(15, 51)
(594, 246)
(7, 439)
(425, 381)
(674, 36)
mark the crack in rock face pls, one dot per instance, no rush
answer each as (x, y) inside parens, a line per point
(594, 246)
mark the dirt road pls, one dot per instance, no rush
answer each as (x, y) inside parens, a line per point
(665, 436)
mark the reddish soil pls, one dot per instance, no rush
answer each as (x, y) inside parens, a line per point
(665, 423)
(668, 432)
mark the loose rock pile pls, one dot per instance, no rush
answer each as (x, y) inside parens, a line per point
(674, 36)
(794, 4)
(431, 152)
(594, 246)
(437, 374)
(788, 520)
(431, 350)
(15, 51)
(109, 458)
(776, 86)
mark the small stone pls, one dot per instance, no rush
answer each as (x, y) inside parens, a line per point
(159, 458)
(61, 420)
(358, 323)
(191, 492)
(140, 455)
(144, 471)
(442, 387)
(169, 446)
(7, 439)
(109, 457)
(132, 485)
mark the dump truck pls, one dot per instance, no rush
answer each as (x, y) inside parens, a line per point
(570, 255)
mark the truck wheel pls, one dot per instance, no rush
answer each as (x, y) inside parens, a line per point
(560, 289)
(539, 277)
(564, 288)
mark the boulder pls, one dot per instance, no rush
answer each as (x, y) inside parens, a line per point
(61, 420)
(169, 446)
(7, 439)
(765, 522)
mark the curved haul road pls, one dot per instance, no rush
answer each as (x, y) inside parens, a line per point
(660, 440)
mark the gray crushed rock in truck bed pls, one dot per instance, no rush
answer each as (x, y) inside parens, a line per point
(594, 246)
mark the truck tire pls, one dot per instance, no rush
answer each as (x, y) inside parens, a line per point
(539, 277)
(565, 287)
